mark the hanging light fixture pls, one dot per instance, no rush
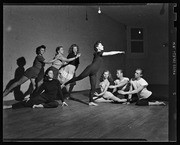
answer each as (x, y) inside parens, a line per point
(86, 15)
(99, 11)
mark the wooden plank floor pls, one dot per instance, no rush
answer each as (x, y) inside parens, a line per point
(80, 122)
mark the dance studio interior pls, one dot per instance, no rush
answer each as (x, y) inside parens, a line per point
(141, 30)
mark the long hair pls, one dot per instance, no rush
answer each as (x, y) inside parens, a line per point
(71, 49)
(110, 79)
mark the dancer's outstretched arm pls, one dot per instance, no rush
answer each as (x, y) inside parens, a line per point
(49, 62)
(104, 91)
(69, 59)
(112, 53)
(119, 85)
(132, 92)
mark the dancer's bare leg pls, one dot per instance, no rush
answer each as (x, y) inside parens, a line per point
(156, 103)
(112, 97)
(102, 100)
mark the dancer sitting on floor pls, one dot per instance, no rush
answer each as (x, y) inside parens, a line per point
(92, 69)
(121, 83)
(45, 97)
(106, 96)
(139, 85)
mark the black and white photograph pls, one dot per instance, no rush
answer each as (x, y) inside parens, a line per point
(89, 72)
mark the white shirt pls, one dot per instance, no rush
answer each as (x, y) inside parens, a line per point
(143, 94)
(118, 81)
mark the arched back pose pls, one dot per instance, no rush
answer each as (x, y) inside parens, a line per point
(105, 95)
(60, 61)
(45, 96)
(34, 72)
(139, 85)
(92, 69)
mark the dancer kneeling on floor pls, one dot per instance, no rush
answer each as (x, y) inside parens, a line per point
(139, 87)
(106, 96)
(46, 99)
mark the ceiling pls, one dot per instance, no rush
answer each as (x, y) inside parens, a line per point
(128, 14)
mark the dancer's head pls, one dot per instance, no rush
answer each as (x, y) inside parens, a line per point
(59, 50)
(98, 46)
(74, 48)
(49, 74)
(138, 73)
(40, 49)
(119, 73)
(106, 75)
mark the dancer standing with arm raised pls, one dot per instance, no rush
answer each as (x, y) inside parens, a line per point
(92, 69)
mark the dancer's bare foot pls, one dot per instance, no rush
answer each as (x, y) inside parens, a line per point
(38, 106)
(27, 98)
(92, 104)
(7, 107)
(162, 104)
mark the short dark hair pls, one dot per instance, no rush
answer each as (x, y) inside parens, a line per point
(39, 47)
(140, 70)
(120, 70)
(58, 48)
(96, 45)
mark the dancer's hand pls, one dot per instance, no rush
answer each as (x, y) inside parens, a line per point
(78, 55)
(64, 104)
(96, 94)
(121, 52)
(62, 86)
(122, 92)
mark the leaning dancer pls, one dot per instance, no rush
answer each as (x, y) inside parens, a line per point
(37, 70)
(92, 69)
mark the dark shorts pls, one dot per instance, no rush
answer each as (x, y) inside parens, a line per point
(145, 102)
(32, 72)
(40, 76)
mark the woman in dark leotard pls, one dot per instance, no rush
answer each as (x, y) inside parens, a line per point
(45, 97)
(92, 69)
(34, 72)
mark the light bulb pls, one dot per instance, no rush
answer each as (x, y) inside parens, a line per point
(99, 11)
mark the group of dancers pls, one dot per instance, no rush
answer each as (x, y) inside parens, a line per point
(47, 86)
